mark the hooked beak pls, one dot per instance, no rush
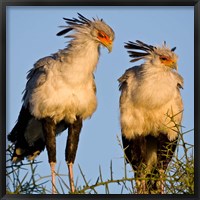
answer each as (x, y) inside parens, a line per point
(109, 47)
(107, 43)
(174, 66)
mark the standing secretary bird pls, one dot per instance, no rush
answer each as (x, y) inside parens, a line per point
(60, 93)
(150, 113)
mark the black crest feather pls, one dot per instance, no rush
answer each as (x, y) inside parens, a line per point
(73, 22)
(64, 31)
(173, 49)
(138, 50)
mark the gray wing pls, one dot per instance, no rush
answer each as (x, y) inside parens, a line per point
(37, 76)
(180, 80)
(130, 79)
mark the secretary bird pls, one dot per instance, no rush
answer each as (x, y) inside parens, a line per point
(150, 113)
(60, 93)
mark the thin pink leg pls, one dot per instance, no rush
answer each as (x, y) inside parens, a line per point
(162, 187)
(141, 186)
(162, 183)
(71, 177)
(53, 177)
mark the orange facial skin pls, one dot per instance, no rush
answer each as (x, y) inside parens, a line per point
(167, 61)
(105, 40)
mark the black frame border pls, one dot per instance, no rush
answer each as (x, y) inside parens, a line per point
(5, 3)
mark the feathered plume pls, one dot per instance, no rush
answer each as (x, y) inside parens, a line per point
(73, 22)
(141, 46)
(139, 49)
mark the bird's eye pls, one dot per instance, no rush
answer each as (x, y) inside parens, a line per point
(101, 35)
(163, 58)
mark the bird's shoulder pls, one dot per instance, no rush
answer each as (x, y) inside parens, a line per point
(130, 74)
(42, 65)
(180, 80)
(48, 60)
(36, 76)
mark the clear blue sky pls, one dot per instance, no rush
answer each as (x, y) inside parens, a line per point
(31, 35)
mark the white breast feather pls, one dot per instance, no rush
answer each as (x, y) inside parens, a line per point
(148, 101)
(68, 90)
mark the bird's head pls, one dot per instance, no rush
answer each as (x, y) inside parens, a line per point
(161, 56)
(95, 29)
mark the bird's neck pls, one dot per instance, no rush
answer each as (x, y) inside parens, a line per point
(82, 54)
(155, 69)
